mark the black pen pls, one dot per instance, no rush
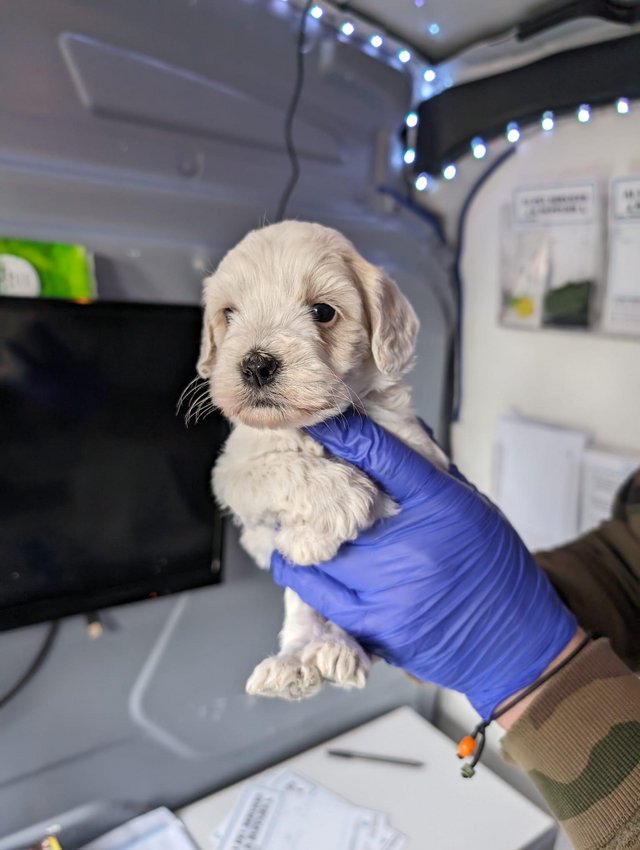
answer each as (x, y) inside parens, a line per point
(352, 754)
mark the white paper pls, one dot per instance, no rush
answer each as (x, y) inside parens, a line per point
(621, 312)
(536, 479)
(283, 810)
(603, 473)
(158, 829)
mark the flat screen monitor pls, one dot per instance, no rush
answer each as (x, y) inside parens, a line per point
(105, 493)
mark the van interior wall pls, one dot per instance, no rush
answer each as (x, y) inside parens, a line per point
(154, 136)
(573, 378)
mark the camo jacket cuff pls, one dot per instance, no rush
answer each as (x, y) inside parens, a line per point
(579, 741)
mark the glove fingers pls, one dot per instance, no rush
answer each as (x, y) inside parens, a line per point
(399, 470)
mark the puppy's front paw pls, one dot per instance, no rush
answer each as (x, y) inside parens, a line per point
(306, 545)
(340, 659)
(284, 676)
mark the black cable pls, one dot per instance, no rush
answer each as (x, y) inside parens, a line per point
(291, 112)
(35, 665)
(479, 733)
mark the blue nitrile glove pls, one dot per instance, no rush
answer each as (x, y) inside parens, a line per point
(445, 589)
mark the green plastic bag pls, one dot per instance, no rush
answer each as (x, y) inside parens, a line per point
(46, 269)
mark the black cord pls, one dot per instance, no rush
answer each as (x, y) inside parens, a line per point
(291, 112)
(479, 733)
(35, 665)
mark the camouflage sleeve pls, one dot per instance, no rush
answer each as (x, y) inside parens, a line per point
(598, 575)
(579, 741)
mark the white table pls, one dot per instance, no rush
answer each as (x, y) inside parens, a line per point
(433, 806)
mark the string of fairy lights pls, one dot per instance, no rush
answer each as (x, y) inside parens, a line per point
(428, 81)
(479, 147)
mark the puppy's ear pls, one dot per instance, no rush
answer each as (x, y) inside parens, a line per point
(392, 320)
(207, 354)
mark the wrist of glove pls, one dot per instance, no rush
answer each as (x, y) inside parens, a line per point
(445, 589)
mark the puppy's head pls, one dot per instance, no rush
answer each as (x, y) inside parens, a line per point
(297, 325)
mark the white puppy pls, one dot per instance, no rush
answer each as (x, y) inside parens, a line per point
(297, 328)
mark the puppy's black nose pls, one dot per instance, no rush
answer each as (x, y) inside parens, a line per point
(259, 368)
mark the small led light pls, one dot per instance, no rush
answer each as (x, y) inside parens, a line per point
(584, 113)
(419, 3)
(449, 171)
(434, 29)
(421, 182)
(622, 106)
(429, 75)
(548, 121)
(412, 119)
(409, 156)
(404, 56)
(347, 28)
(513, 132)
(478, 148)
(376, 41)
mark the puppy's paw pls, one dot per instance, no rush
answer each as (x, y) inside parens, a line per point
(306, 545)
(340, 659)
(284, 676)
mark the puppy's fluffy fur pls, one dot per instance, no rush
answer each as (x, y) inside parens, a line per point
(282, 487)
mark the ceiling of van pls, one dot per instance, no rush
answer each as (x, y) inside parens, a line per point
(442, 28)
(459, 30)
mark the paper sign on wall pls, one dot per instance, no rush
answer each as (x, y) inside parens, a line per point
(621, 313)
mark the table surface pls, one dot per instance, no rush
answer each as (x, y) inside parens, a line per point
(432, 805)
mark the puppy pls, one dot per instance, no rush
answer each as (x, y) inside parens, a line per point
(297, 328)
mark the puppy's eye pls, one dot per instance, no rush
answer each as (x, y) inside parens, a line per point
(323, 313)
(228, 312)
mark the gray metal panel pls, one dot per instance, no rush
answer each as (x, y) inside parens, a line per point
(154, 712)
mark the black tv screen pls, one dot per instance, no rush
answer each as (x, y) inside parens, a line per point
(105, 493)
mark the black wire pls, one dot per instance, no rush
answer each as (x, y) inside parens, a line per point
(291, 112)
(35, 665)
(479, 733)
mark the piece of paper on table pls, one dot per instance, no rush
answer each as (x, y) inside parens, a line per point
(603, 473)
(283, 810)
(536, 479)
(158, 829)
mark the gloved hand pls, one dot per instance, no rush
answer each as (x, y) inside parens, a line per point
(445, 589)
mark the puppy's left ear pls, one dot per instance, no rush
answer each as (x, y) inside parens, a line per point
(392, 320)
(207, 354)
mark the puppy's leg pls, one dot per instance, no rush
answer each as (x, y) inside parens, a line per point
(339, 658)
(330, 506)
(311, 649)
(286, 674)
(315, 503)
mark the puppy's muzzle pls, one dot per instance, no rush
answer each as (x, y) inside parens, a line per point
(259, 369)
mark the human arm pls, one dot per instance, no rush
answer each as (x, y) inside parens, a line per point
(447, 590)
(598, 575)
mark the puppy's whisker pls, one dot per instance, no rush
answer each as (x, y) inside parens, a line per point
(351, 392)
(197, 405)
(191, 388)
(204, 409)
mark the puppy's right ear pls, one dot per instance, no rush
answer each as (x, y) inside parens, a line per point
(207, 354)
